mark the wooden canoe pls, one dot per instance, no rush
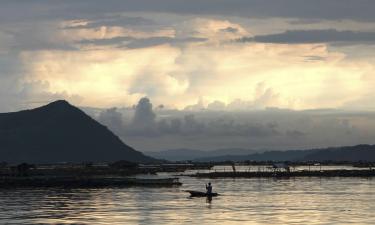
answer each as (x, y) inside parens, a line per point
(201, 194)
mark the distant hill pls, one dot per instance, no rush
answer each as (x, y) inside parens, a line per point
(192, 154)
(60, 132)
(290, 155)
(347, 153)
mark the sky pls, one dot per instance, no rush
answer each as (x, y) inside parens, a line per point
(204, 74)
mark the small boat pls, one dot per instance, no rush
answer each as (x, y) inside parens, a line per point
(201, 194)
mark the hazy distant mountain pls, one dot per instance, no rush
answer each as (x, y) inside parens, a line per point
(265, 156)
(60, 132)
(347, 153)
(191, 154)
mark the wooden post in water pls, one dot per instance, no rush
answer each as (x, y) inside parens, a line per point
(234, 168)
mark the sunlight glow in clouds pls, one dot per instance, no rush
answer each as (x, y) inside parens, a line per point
(237, 57)
(297, 76)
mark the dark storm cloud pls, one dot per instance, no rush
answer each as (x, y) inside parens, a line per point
(317, 9)
(313, 36)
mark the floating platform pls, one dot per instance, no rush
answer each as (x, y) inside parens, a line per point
(84, 182)
(324, 173)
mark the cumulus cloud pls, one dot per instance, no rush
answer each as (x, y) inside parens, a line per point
(179, 75)
(263, 97)
(260, 129)
(111, 75)
(216, 105)
(149, 122)
(144, 116)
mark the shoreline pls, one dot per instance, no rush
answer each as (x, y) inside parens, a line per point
(323, 173)
(85, 182)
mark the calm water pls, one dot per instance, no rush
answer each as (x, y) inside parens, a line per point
(244, 201)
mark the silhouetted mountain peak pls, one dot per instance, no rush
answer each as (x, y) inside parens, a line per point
(60, 132)
(59, 103)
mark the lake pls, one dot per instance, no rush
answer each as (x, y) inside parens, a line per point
(243, 201)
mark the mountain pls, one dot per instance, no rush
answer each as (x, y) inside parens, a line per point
(60, 132)
(346, 153)
(192, 154)
(290, 155)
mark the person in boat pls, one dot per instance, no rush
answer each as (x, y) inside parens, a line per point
(209, 189)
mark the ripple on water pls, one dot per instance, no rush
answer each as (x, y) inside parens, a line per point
(243, 201)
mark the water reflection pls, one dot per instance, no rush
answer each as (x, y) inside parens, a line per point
(242, 201)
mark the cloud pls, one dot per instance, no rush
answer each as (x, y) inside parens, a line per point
(214, 30)
(230, 30)
(29, 95)
(110, 75)
(110, 21)
(278, 76)
(116, 41)
(331, 9)
(179, 61)
(148, 42)
(314, 36)
(143, 122)
(113, 119)
(260, 129)
(133, 43)
(157, 84)
(263, 97)
(144, 115)
(216, 105)
(32, 36)
(295, 133)
(147, 123)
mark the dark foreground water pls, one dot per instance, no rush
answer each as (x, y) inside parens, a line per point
(244, 201)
